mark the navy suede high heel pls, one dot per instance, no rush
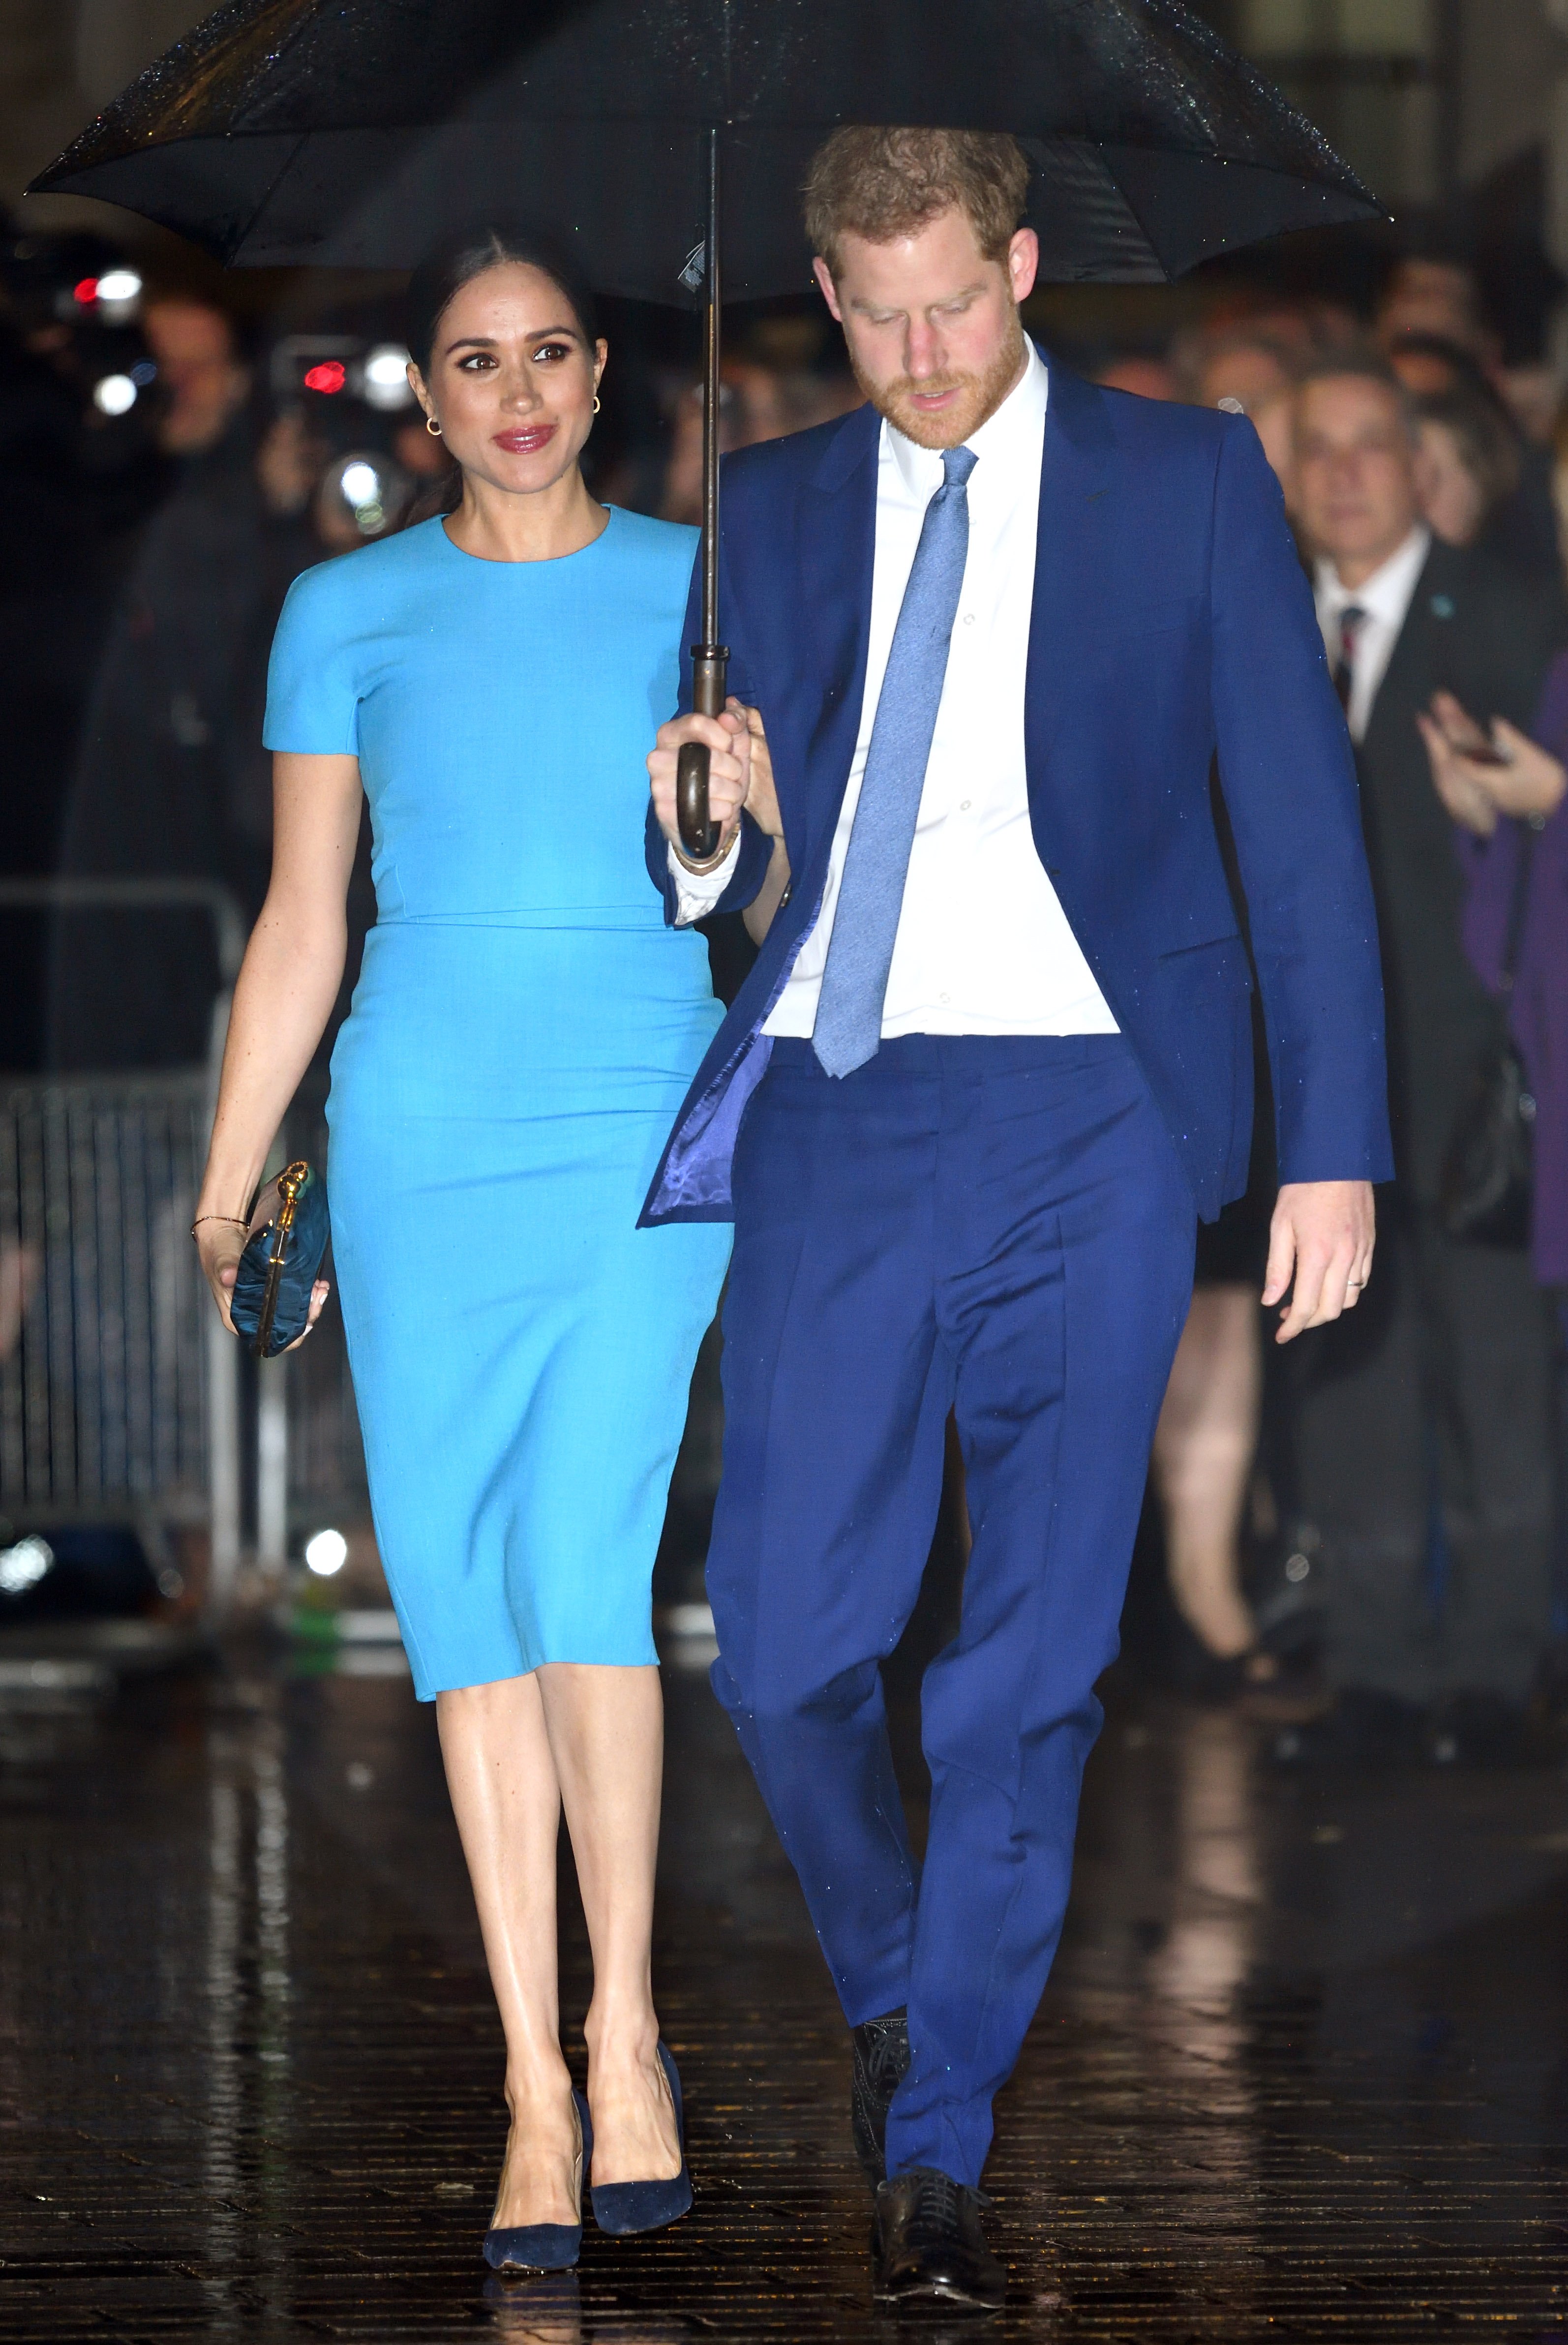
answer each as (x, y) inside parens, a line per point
(546, 2247)
(622, 2207)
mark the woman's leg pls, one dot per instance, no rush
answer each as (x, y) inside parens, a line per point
(507, 1800)
(606, 1736)
(1202, 1453)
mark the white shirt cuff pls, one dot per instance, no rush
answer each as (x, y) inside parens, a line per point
(696, 892)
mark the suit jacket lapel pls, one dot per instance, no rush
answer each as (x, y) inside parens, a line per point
(1077, 518)
(835, 549)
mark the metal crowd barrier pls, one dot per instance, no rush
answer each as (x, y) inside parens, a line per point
(123, 1398)
(119, 1387)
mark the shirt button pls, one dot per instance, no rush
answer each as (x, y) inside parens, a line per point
(945, 998)
(969, 618)
(964, 804)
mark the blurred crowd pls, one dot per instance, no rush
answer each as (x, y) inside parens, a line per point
(1364, 1536)
(1410, 1505)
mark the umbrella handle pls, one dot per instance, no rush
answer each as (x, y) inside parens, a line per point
(699, 836)
(710, 685)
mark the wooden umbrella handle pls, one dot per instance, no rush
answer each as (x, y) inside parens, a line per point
(699, 835)
(710, 689)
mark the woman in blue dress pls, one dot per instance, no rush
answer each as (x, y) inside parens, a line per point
(522, 1034)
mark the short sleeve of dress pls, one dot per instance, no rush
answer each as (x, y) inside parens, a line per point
(312, 697)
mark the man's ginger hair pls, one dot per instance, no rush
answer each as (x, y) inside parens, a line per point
(882, 183)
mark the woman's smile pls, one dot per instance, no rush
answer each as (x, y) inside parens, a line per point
(524, 438)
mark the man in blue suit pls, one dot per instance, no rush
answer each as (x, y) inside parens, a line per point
(995, 1059)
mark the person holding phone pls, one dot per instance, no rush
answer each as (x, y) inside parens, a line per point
(1508, 797)
(1449, 1361)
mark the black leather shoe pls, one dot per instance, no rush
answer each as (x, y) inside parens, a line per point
(927, 2245)
(881, 2062)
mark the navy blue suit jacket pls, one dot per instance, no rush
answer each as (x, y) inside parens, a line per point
(1171, 621)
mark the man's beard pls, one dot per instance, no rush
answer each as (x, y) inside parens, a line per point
(955, 424)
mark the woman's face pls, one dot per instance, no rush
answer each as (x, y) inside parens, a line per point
(1453, 499)
(512, 379)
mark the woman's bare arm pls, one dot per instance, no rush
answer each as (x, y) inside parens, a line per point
(287, 983)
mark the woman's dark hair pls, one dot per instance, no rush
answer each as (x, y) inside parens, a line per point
(458, 259)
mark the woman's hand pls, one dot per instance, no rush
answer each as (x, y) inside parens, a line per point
(1476, 789)
(219, 1244)
(1532, 781)
(729, 741)
(318, 1294)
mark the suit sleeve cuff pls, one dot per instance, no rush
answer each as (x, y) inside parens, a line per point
(696, 892)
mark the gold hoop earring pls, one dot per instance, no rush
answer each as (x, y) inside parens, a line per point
(433, 427)
(596, 402)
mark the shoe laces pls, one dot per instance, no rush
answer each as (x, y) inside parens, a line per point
(885, 2052)
(939, 2204)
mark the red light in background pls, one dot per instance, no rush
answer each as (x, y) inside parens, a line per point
(331, 375)
(87, 290)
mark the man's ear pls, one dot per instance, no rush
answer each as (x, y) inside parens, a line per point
(824, 277)
(1023, 262)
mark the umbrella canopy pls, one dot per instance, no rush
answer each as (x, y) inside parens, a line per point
(355, 133)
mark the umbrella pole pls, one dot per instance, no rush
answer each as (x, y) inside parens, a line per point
(709, 658)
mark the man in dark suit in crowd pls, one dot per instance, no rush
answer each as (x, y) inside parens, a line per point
(1431, 1405)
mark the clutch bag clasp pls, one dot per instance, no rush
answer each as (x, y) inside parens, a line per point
(291, 1181)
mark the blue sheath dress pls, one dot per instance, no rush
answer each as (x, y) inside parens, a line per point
(522, 1032)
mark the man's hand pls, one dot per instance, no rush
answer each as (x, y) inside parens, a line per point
(728, 738)
(761, 798)
(1321, 1237)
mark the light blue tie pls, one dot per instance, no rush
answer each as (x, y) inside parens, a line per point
(849, 1027)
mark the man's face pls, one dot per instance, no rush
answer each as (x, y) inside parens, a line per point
(933, 327)
(1355, 471)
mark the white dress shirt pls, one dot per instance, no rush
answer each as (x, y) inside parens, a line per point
(983, 946)
(1385, 597)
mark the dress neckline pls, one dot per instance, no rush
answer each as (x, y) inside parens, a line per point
(550, 562)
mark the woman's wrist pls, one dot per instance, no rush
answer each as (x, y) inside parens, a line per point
(710, 863)
(228, 1194)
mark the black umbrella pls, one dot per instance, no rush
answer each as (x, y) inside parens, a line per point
(352, 133)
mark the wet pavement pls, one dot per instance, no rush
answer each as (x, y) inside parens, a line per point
(1302, 2071)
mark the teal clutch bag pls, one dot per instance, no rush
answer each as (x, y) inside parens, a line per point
(271, 1304)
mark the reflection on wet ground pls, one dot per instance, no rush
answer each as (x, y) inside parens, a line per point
(1302, 2072)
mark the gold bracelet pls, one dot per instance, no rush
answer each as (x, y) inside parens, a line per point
(237, 1221)
(700, 870)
